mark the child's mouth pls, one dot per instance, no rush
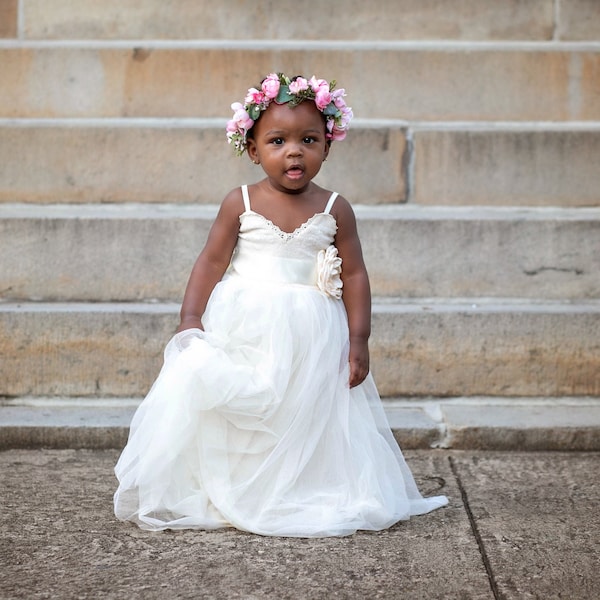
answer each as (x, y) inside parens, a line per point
(295, 172)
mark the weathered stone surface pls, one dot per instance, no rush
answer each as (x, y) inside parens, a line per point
(538, 521)
(70, 544)
(114, 164)
(104, 423)
(481, 252)
(145, 252)
(511, 351)
(443, 82)
(82, 350)
(491, 167)
(104, 253)
(524, 425)
(160, 163)
(579, 20)
(156, 162)
(475, 423)
(57, 436)
(288, 19)
(65, 423)
(417, 349)
(8, 18)
(486, 349)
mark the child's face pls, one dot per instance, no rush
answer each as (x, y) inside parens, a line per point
(290, 144)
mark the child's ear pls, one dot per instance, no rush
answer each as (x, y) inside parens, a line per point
(252, 151)
(326, 150)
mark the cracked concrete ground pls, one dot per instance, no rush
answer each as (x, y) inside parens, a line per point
(519, 526)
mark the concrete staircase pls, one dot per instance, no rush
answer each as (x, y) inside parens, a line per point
(473, 164)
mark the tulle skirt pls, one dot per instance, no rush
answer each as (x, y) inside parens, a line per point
(251, 424)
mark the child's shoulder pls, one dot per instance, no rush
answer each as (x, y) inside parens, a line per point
(233, 196)
(232, 206)
(344, 216)
(340, 204)
(342, 209)
(233, 201)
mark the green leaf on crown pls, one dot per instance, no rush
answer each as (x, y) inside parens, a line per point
(284, 94)
(254, 111)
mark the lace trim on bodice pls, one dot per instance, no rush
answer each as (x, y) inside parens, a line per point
(285, 235)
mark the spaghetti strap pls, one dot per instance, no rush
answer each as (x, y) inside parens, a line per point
(246, 198)
(330, 202)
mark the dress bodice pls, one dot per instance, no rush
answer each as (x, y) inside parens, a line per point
(258, 235)
(266, 253)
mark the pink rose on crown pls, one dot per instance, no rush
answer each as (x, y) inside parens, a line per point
(254, 96)
(338, 97)
(298, 85)
(329, 269)
(270, 86)
(316, 84)
(335, 133)
(322, 92)
(241, 119)
(322, 98)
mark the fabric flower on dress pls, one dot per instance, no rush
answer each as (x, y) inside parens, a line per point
(329, 269)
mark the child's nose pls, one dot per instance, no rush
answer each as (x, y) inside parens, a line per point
(295, 149)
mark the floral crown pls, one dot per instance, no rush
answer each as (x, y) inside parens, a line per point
(280, 89)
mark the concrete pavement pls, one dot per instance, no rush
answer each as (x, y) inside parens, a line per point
(520, 525)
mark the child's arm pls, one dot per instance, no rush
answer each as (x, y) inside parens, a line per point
(212, 262)
(356, 291)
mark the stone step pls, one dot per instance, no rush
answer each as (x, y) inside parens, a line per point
(440, 81)
(189, 160)
(137, 252)
(289, 19)
(458, 423)
(171, 161)
(419, 348)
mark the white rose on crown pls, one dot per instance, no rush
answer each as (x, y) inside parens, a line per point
(329, 269)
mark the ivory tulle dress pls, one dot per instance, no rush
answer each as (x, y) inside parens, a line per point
(251, 423)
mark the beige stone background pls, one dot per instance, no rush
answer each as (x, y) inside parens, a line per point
(473, 165)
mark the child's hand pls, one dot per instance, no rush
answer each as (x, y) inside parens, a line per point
(359, 360)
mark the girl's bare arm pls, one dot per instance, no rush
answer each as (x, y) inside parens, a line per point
(356, 291)
(212, 262)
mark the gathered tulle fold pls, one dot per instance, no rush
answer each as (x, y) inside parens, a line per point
(251, 424)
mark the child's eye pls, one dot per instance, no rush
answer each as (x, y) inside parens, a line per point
(308, 140)
(277, 141)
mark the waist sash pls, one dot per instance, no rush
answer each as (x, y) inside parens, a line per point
(275, 269)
